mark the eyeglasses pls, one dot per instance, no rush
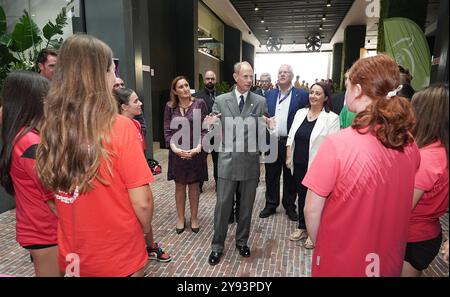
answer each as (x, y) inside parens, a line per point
(264, 81)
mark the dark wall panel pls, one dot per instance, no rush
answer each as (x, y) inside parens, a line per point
(354, 40)
(248, 53)
(439, 73)
(186, 21)
(233, 53)
(163, 37)
(337, 63)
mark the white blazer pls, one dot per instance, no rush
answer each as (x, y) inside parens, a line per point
(327, 123)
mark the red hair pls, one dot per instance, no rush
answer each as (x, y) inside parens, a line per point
(390, 119)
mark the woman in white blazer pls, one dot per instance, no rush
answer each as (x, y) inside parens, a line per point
(310, 127)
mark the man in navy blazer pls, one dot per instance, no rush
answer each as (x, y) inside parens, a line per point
(283, 103)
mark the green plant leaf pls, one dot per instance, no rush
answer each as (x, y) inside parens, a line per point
(51, 30)
(55, 43)
(2, 21)
(6, 57)
(26, 33)
(6, 40)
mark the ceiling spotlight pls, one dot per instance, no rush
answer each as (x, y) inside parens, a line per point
(256, 7)
(368, 41)
(324, 17)
(321, 27)
(329, 3)
(267, 29)
(262, 20)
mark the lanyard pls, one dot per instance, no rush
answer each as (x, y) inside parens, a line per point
(285, 97)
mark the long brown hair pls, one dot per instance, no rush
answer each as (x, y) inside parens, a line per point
(174, 100)
(22, 99)
(79, 112)
(389, 119)
(431, 107)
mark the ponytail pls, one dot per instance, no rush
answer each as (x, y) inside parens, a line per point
(389, 120)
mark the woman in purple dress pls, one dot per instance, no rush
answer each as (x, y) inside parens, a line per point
(183, 132)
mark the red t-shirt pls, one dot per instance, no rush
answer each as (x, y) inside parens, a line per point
(141, 138)
(100, 226)
(369, 191)
(35, 222)
(432, 178)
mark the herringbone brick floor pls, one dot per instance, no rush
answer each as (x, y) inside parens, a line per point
(272, 255)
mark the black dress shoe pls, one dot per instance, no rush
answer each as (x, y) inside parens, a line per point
(214, 258)
(179, 231)
(266, 212)
(244, 250)
(292, 214)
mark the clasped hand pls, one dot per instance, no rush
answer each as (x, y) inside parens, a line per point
(187, 155)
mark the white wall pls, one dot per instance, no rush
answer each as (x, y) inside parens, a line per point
(308, 65)
(41, 11)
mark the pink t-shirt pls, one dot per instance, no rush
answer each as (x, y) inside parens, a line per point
(369, 190)
(432, 178)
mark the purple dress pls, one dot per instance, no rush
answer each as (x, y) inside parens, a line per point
(186, 171)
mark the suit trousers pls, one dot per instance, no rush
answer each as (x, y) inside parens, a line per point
(226, 190)
(273, 173)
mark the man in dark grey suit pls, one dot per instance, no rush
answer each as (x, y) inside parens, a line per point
(264, 84)
(238, 165)
(209, 94)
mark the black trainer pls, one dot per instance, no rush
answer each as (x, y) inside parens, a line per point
(266, 212)
(292, 214)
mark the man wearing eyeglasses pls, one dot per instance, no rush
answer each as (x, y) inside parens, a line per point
(264, 84)
(282, 103)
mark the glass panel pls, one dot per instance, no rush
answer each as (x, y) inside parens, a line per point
(210, 33)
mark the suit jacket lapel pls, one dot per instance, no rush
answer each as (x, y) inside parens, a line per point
(293, 103)
(248, 106)
(318, 127)
(272, 103)
(233, 105)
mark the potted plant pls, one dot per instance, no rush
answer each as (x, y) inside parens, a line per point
(20, 47)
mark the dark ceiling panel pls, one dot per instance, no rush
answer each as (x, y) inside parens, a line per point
(292, 21)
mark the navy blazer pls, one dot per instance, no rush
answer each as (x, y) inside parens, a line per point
(299, 99)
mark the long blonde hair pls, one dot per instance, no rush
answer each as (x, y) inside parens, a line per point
(79, 111)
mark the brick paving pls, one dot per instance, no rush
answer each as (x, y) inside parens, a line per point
(273, 255)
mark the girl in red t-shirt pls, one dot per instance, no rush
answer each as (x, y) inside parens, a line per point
(22, 109)
(130, 106)
(92, 158)
(432, 180)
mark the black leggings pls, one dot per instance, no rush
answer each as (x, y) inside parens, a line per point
(299, 174)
